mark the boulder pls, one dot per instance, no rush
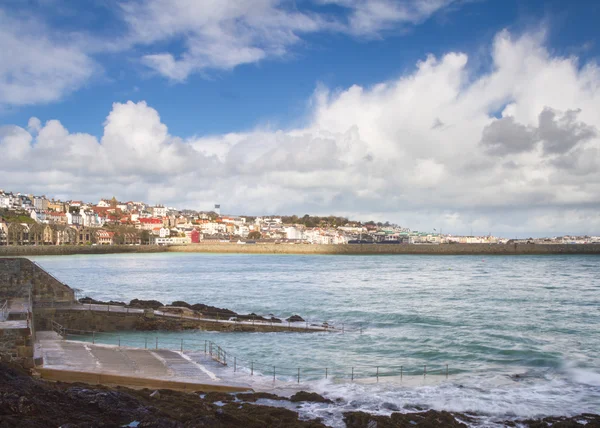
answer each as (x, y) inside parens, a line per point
(145, 304)
(309, 396)
(295, 318)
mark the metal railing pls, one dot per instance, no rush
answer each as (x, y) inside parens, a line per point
(4, 311)
(253, 367)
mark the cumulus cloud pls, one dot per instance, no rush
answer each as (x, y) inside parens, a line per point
(366, 152)
(558, 132)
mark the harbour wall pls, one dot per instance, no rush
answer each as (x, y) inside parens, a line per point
(63, 250)
(349, 249)
(366, 249)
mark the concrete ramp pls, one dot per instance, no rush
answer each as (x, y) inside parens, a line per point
(75, 361)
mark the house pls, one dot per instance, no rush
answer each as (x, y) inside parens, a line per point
(41, 234)
(38, 216)
(56, 217)
(75, 219)
(150, 223)
(56, 206)
(159, 211)
(105, 237)
(86, 235)
(130, 238)
(3, 232)
(40, 203)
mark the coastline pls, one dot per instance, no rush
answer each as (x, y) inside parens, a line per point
(307, 249)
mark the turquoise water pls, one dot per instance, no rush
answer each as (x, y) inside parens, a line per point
(486, 318)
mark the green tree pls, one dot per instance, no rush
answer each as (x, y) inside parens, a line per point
(255, 234)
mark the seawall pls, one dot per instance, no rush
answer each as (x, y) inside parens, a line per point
(358, 249)
(63, 250)
(350, 249)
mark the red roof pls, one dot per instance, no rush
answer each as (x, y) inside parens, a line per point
(151, 220)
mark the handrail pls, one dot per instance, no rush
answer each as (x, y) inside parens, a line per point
(252, 367)
(4, 311)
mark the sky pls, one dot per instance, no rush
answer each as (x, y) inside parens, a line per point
(466, 116)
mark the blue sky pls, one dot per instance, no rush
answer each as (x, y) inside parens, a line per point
(227, 83)
(275, 91)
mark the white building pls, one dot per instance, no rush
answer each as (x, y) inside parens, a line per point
(174, 240)
(213, 228)
(294, 233)
(159, 211)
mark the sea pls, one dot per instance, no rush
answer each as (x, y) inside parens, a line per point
(499, 337)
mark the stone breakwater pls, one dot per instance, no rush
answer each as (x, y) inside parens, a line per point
(349, 249)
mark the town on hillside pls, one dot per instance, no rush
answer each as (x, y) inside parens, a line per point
(37, 220)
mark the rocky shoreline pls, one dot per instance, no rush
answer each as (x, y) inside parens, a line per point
(29, 402)
(180, 307)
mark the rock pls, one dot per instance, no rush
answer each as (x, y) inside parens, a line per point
(275, 320)
(295, 318)
(428, 419)
(89, 300)
(155, 395)
(251, 397)
(145, 304)
(309, 396)
(390, 406)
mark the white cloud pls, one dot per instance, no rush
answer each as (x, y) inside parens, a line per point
(177, 38)
(370, 17)
(36, 67)
(226, 33)
(367, 152)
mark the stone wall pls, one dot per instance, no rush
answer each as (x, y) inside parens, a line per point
(85, 320)
(16, 346)
(88, 321)
(350, 249)
(19, 275)
(13, 282)
(358, 249)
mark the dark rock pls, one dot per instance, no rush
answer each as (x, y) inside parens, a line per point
(89, 300)
(252, 316)
(275, 320)
(431, 418)
(309, 396)
(145, 304)
(390, 406)
(295, 318)
(213, 311)
(251, 397)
